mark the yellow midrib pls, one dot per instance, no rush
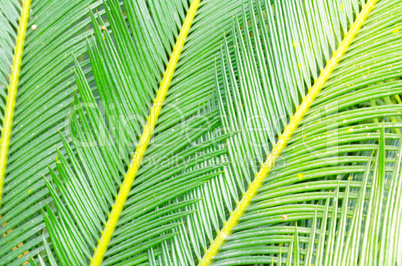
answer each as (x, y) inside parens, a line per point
(145, 137)
(285, 137)
(12, 92)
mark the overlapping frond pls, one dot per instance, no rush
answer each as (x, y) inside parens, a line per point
(311, 208)
(333, 197)
(189, 91)
(179, 158)
(43, 99)
(264, 81)
(92, 176)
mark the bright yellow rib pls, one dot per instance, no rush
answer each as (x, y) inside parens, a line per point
(285, 137)
(145, 137)
(12, 92)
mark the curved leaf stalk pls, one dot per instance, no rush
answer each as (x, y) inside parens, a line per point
(145, 138)
(287, 134)
(12, 92)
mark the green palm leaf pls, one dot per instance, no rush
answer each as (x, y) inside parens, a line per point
(43, 99)
(153, 188)
(328, 149)
(205, 192)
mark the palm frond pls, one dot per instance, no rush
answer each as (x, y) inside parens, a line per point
(331, 147)
(245, 71)
(153, 188)
(44, 94)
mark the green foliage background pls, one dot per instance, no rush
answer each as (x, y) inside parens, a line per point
(333, 198)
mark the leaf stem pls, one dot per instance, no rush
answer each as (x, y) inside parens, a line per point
(285, 137)
(12, 92)
(145, 138)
